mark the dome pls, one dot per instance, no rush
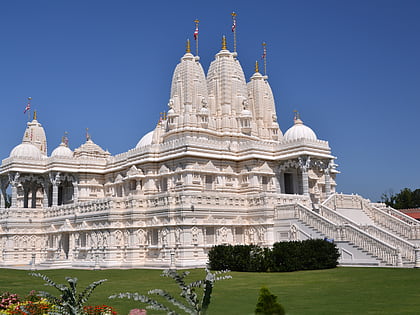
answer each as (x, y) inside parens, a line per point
(146, 140)
(62, 151)
(299, 131)
(26, 150)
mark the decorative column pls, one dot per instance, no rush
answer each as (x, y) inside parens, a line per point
(304, 163)
(55, 180)
(75, 191)
(327, 182)
(14, 180)
(45, 196)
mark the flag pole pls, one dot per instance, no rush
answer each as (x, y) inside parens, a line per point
(28, 107)
(234, 30)
(196, 36)
(265, 57)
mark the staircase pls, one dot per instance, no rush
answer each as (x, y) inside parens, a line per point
(365, 233)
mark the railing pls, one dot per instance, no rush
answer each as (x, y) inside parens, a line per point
(350, 233)
(389, 218)
(409, 229)
(77, 208)
(24, 213)
(406, 248)
(374, 246)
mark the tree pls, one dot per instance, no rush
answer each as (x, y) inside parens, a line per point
(405, 199)
(267, 304)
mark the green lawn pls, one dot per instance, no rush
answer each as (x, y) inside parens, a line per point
(333, 291)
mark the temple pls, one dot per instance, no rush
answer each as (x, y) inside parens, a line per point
(216, 169)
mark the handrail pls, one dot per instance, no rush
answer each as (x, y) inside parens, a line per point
(350, 233)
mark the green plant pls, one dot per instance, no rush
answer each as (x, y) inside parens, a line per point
(194, 305)
(267, 304)
(69, 302)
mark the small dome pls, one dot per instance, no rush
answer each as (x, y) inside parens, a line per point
(62, 151)
(146, 140)
(26, 150)
(299, 131)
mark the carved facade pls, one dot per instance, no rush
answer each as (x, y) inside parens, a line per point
(215, 170)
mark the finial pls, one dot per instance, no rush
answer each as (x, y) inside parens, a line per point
(256, 66)
(297, 115)
(87, 134)
(34, 114)
(65, 139)
(224, 46)
(188, 49)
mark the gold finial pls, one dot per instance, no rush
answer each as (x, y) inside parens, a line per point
(224, 46)
(188, 49)
(297, 115)
(256, 66)
(87, 134)
(34, 114)
(65, 139)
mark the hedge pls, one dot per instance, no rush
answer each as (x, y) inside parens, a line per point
(284, 256)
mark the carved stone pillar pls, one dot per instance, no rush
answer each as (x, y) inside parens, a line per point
(45, 196)
(327, 182)
(14, 181)
(304, 166)
(55, 180)
(75, 191)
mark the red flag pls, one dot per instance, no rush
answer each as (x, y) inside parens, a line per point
(264, 53)
(28, 107)
(196, 32)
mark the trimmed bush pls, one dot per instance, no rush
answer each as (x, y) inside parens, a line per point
(284, 256)
(267, 304)
(240, 258)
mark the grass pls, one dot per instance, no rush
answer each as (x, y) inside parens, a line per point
(333, 291)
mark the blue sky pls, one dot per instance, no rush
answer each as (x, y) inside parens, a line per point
(351, 68)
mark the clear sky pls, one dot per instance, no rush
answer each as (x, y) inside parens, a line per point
(351, 68)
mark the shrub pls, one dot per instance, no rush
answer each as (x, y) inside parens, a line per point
(240, 258)
(267, 304)
(284, 256)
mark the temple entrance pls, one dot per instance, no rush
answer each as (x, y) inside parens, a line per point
(288, 183)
